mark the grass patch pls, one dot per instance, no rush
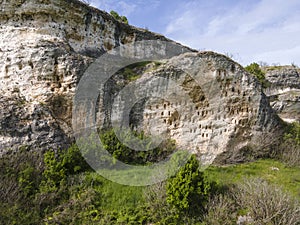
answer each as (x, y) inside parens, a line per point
(115, 196)
(286, 177)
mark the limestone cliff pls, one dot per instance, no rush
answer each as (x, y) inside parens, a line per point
(45, 48)
(284, 91)
(217, 111)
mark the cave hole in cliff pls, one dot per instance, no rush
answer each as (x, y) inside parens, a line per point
(232, 69)
(20, 65)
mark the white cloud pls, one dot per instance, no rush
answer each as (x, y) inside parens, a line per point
(267, 30)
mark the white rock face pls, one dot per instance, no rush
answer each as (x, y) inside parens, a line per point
(206, 102)
(45, 47)
(215, 108)
(284, 91)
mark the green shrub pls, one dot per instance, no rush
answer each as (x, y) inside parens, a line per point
(187, 192)
(122, 19)
(290, 147)
(57, 168)
(26, 180)
(255, 69)
(130, 156)
(293, 133)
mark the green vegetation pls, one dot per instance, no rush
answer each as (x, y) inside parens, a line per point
(273, 171)
(255, 69)
(122, 19)
(134, 71)
(289, 149)
(125, 154)
(187, 192)
(61, 188)
(293, 133)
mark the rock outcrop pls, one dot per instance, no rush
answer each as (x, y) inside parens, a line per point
(284, 91)
(45, 47)
(218, 111)
(206, 102)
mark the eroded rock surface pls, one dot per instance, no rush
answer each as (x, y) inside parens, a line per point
(284, 91)
(208, 103)
(45, 47)
(215, 108)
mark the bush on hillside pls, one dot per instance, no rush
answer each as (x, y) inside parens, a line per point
(122, 19)
(255, 69)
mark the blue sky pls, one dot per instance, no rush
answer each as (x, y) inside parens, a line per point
(247, 30)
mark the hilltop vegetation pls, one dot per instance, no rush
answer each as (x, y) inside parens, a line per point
(122, 19)
(255, 69)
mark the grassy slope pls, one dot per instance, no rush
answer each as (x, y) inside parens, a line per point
(118, 197)
(286, 177)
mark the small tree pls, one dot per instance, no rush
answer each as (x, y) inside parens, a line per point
(187, 192)
(255, 69)
(116, 15)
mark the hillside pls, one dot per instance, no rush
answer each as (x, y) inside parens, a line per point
(102, 122)
(44, 56)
